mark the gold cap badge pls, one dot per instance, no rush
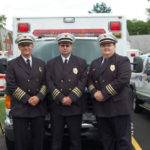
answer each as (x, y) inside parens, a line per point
(75, 70)
(66, 35)
(105, 35)
(112, 67)
(40, 69)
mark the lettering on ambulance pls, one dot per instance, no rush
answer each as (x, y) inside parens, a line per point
(142, 77)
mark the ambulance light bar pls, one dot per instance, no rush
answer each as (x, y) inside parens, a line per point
(76, 32)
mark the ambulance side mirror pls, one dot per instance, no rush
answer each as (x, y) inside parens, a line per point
(137, 64)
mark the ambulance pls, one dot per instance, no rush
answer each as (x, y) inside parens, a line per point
(86, 30)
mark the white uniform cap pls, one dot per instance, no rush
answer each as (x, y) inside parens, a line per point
(65, 38)
(107, 38)
(24, 39)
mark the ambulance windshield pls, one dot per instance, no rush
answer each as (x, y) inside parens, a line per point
(87, 49)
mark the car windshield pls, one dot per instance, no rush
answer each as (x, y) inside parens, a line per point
(88, 49)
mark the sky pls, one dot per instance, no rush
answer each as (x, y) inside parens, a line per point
(131, 9)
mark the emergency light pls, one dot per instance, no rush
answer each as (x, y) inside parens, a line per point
(76, 32)
(23, 27)
(132, 54)
(115, 26)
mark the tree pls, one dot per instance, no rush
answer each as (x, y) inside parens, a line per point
(2, 21)
(100, 8)
(2, 24)
(148, 12)
(137, 27)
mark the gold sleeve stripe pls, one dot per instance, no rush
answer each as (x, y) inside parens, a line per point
(108, 89)
(114, 91)
(91, 87)
(111, 90)
(19, 93)
(77, 91)
(55, 93)
(43, 90)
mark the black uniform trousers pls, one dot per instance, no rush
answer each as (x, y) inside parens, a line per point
(115, 132)
(73, 123)
(22, 134)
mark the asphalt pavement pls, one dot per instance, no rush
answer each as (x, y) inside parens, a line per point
(141, 124)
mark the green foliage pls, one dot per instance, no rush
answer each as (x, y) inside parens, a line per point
(100, 8)
(2, 21)
(148, 12)
(2, 111)
(138, 27)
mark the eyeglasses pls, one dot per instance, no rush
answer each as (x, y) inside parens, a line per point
(65, 45)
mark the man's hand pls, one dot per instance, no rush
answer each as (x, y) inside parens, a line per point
(99, 96)
(67, 101)
(34, 100)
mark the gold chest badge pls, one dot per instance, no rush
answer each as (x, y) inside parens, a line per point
(75, 70)
(40, 69)
(112, 67)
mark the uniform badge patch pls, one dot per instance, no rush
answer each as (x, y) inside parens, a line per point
(75, 70)
(40, 69)
(112, 67)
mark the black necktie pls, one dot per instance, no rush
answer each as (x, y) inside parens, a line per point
(28, 64)
(104, 63)
(65, 63)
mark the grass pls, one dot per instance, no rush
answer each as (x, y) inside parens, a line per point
(2, 111)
